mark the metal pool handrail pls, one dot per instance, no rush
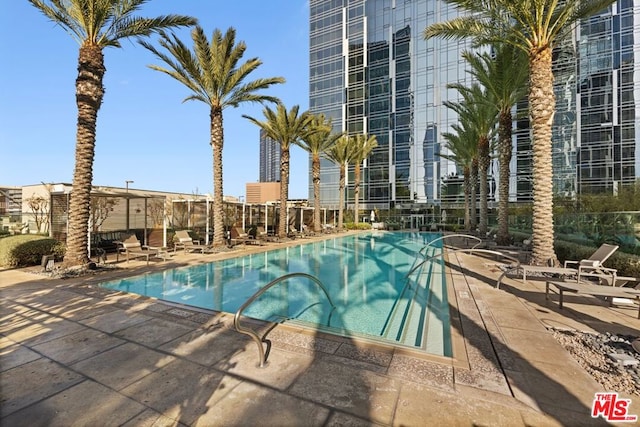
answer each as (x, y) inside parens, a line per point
(258, 340)
(415, 266)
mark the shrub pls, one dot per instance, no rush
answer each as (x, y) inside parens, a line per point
(27, 249)
(358, 226)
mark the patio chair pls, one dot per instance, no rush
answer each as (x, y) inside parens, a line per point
(590, 267)
(237, 236)
(264, 235)
(184, 241)
(132, 248)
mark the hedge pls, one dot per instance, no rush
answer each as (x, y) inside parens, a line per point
(24, 250)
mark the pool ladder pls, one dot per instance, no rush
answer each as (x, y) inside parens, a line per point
(258, 339)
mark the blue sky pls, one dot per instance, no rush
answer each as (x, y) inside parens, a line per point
(145, 133)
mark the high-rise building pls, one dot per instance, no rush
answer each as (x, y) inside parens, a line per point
(269, 159)
(372, 71)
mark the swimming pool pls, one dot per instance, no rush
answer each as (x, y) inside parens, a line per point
(364, 274)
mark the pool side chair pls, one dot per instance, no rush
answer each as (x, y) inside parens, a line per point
(184, 241)
(572, 270)
(264, 235)
(132, 248)
(237, 237)
(592, 266)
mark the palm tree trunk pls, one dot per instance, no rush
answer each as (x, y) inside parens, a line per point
(483, 167)
(467, 199)
(89, 94)
(343, 174)
(504, 159)
(356, 192)
(315, 172)
(474, 195)
(542, 106)
(284, 191)
(217, 143)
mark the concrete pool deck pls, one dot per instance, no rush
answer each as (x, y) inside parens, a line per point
(75, 354)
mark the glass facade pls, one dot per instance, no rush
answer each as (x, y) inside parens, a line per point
(269, 159)
(372, 71)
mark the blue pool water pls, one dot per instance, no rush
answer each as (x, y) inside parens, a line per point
(364, 274)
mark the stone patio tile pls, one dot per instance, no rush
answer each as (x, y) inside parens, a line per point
(41, 329)
(208, 347)
(362, 393)
(280, 371)
(151, 418)
(15, 355)
(553, 388)
(114, 320)
(516, 318)
(122, 365)
(71, 408)
(346, 420)
(182, 390)
(423, 371)
(422, 406)
(252, 405)
(31, 382)
(535, 346)
(154, 332)
(85, 343)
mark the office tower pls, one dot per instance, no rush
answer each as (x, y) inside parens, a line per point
(269, 159)
(372, 71)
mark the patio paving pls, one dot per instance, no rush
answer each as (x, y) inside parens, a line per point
(72, 353)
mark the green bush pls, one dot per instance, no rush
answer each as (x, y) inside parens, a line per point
(27, 249)
(358, 226)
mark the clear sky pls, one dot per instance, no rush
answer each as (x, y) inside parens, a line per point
(145, 133)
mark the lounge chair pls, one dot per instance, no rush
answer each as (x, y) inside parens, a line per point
(237, 237)
(610, 292)
(590, 267)
(132, 248)
(264, 236)
(184, 241)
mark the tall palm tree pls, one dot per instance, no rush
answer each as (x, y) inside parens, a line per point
(539, 25)
(340, 153)
(95, 25)
(504, 75)
(316, 143)
(286, 127)
(478, 111)
(363, 145)
(215, 76)
(462, 146)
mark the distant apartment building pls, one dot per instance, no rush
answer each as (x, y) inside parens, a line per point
(371, 71)
(269, 159)
(262, 192)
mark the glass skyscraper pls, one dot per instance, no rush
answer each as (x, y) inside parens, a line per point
(372, 71)
(269, 159)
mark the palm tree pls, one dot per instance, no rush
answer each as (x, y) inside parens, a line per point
(462, 144)
(316, 143)
(538, 26)
(504, 76)
(363, 145)
(477, 111)
(286, 127)
(340, 153)
(213, 74)
(95, 25)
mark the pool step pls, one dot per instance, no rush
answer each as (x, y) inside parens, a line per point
(415, 317)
